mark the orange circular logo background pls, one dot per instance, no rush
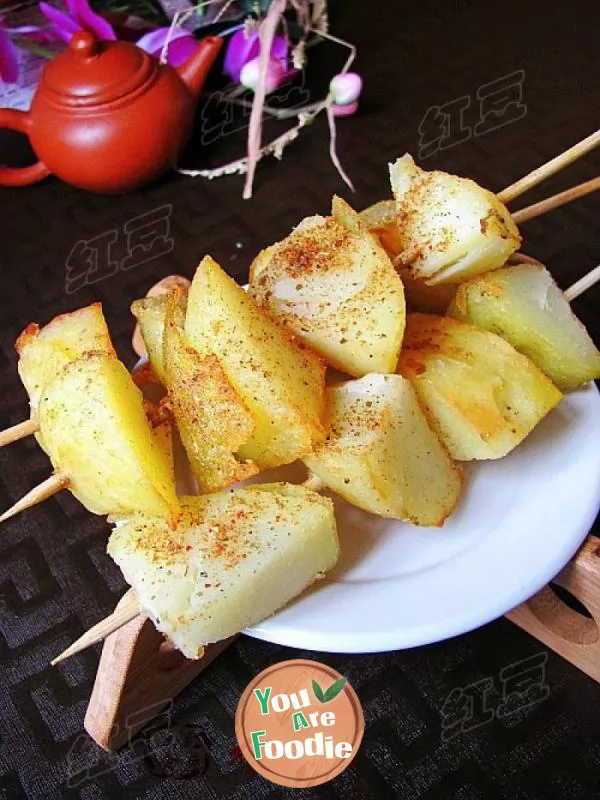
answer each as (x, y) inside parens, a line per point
(299, 723)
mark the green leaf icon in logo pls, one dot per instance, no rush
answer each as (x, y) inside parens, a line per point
(318, 692)
(331, 693)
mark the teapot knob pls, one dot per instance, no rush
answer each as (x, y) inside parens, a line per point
(84, 44)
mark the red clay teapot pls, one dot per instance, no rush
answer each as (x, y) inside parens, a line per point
(107, 116)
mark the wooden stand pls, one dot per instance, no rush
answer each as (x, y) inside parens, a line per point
(571, 634)
(140, 672)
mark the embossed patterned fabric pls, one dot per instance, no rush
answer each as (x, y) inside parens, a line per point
(484, 89)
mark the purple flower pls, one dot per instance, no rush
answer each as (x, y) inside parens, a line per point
(9, 63)
(181, 44)
(243, 49)
(78, 17)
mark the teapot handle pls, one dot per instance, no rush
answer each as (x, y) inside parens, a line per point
(20, 121)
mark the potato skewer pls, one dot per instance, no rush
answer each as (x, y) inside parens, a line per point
(479, 394)
(510, 193)
(449, 229)
(96, 433)
(333, 285)
(225, 566)
(58, 482)
(211, 418)
(43, 351)
(524, 306)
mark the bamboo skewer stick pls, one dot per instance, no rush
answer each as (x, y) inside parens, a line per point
(128, 609)
(550, 168)
(42, 492)
(557, 200)
(19, 431)
(583, 284)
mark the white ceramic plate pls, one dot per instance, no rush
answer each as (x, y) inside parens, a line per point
(520, 520)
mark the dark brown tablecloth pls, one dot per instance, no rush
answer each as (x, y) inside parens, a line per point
(439, 720)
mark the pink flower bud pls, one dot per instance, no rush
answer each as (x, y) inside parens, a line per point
(345, 88)
(344, 111)
(276, 74)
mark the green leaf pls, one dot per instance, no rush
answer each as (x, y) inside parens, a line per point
(318, 692)
(249, 6)
(334, 689)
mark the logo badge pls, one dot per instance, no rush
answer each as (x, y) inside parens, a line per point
(299, 723)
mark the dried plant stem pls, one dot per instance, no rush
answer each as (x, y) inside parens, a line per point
(276, 148)
(266, 35)
(279, 113)
(333, 151)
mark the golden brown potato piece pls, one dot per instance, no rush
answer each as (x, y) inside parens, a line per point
(334, 286)
(234, 559)
(164, 286)
(524, 305)
(382, 220)
(451, 228)
(382, 456)
(422, 297)
(43, 352)
(161, 423)
(150, 313)
(479, 394)
(212, 419)
(96, 432)
(280, 381)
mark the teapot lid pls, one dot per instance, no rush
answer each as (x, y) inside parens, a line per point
(92, 72)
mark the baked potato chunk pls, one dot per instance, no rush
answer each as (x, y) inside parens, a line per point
(381, 219)
(43, 352)
(479, 394)
(451, 228)
(334, 286)
(150, 313)
(524, 305)
(382, 456)
(212, 420)
(422, 297)
(233, 560)
(280, 381)
(96, 433)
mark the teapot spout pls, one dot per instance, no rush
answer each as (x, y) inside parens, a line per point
(195, 70)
